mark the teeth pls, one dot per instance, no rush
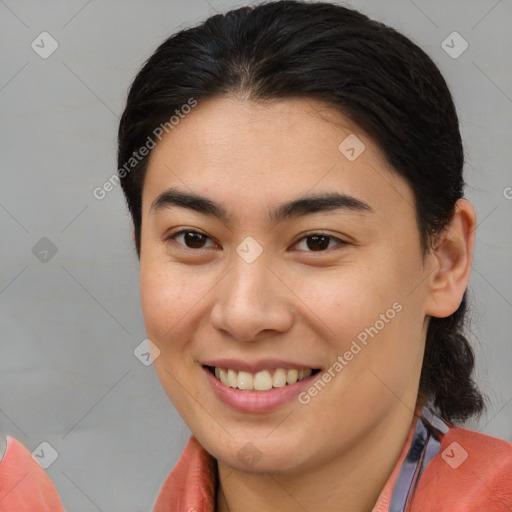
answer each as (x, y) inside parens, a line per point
(232, 378)
(279, 378)
(245, 380)
(261, 381)
(223, 376)
(291, 376)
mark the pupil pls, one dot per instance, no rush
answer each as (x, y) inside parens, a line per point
(193, 238)
(316, 246)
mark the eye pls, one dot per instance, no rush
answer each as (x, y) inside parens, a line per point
(192, 239)
(315, 242)
(318, 242)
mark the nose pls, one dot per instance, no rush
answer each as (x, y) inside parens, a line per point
(252, 303)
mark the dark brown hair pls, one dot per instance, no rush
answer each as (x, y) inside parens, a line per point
(370, 73)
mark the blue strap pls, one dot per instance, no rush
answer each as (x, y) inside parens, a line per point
(425, 445)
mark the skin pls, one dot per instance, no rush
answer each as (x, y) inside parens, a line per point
(293, 302)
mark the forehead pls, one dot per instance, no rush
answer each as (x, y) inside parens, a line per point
(250, 154)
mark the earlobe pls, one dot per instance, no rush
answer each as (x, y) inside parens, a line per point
(452, 259)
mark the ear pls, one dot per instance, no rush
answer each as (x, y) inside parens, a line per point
(452, 259)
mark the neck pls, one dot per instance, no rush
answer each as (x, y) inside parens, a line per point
(351, 482)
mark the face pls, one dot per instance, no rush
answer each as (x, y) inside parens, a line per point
(328, 290)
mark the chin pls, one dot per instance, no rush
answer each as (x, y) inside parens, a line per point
(260, 464)
(253, 454)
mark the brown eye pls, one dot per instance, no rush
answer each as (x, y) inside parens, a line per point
(319, 242)
(191, 239)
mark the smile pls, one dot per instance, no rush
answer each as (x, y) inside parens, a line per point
(263, 380)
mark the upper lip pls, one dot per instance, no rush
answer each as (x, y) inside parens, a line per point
(256, 366)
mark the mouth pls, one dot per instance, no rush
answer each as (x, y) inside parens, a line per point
(264, 380)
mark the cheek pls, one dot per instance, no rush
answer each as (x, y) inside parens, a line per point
(168, 298)
(171, 296)
(347, 299)
(378, 361)
(163, 299)
(389, 352)
(372, 318)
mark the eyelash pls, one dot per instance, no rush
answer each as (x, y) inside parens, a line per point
(174, 235)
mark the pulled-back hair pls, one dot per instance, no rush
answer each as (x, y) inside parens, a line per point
(367, 71)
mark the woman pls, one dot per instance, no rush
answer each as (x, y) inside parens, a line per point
(294, 176)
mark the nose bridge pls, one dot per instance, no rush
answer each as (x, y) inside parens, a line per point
(249, 277)
(248, 281)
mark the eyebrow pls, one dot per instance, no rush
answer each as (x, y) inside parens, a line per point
(298, 207)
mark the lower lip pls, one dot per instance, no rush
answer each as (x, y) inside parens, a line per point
(257, 401)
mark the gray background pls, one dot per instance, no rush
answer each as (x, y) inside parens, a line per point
(70, 324)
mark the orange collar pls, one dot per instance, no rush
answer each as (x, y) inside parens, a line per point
(191, 485)
(471, 473)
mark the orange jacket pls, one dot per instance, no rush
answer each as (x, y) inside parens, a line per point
(471, 472)
(24, 485)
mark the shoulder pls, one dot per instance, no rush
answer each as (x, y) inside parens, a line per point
(472, 472)
(24, 485)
